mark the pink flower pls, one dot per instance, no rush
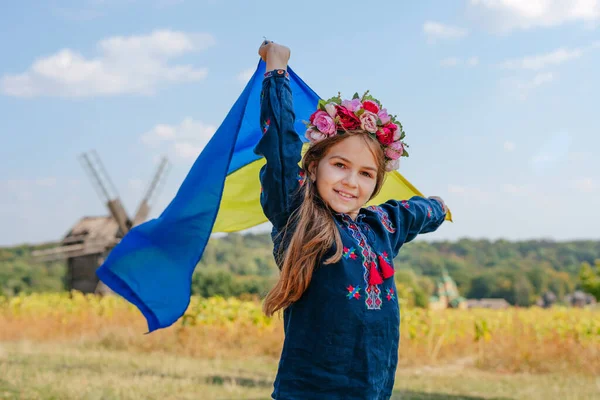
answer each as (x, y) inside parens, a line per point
(383, 116)
(314, 136)
(371, 106)
(394, 150)
(330, 108)
(352, 105)
(392, 165)
(323, 122)
(397, 134)
(368, 121)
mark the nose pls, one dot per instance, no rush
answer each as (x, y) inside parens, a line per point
(350, 179)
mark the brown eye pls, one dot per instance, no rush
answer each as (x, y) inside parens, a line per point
(339, 165)
(368, 175)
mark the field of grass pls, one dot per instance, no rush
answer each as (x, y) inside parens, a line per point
(57, 347)
(69, 371)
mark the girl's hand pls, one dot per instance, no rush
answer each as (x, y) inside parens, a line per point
(444, 207)
(275, 55)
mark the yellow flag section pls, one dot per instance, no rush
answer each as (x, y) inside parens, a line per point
(240, 205)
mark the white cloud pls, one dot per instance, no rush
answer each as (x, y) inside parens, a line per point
(509, 15)
(509, 146)
(541, 79)
(435, 30)
(525, 87)
(245, 75)
(132, 64)
(542, 61)
(185, 140)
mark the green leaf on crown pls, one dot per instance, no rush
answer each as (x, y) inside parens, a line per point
(321, 105)
(336, 100)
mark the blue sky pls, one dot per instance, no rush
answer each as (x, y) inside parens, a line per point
(497, 98)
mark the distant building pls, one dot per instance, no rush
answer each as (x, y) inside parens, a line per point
(446, 295)
(85, 248)
(580, 299)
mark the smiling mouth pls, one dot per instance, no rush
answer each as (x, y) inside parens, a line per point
(345, 195)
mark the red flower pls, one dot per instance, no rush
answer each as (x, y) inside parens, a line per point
(386, 134)
(369, 105)
(348, 120)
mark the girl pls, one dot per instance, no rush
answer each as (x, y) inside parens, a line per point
(336, 287)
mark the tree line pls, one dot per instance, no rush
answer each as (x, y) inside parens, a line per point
(242, 265)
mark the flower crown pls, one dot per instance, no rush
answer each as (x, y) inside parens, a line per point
(336, 116)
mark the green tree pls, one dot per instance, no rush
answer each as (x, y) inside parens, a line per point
(590, 278)
(523, 292)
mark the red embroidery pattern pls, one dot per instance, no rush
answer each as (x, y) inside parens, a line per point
(390, 294)
(349, 253)
(429, 212)
(266, 125)
(373, 298)
(353, 292)
(384, 218)
(405, 203)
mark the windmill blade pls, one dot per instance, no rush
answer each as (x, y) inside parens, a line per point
(159, 177)
(106, 189)
(94, 176)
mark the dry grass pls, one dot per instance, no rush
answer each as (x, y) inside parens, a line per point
(515, 340)
(46, 371)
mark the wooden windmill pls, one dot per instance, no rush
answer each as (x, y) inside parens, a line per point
(89, 241)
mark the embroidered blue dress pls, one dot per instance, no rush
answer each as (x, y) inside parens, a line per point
(342, 335)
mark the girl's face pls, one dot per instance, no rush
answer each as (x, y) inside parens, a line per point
(346, 177)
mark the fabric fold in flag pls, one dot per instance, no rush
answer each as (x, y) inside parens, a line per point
(153, 264)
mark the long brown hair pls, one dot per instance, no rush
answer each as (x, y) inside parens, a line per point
(314, 230)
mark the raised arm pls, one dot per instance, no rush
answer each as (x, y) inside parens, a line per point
(404, 220)
(280, 177)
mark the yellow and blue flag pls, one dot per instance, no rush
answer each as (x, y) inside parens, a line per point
(152, 266)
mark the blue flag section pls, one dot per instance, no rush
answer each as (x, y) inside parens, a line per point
(152, 266)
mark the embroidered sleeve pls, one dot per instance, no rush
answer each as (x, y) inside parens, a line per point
(404, 220)
(281, 176)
